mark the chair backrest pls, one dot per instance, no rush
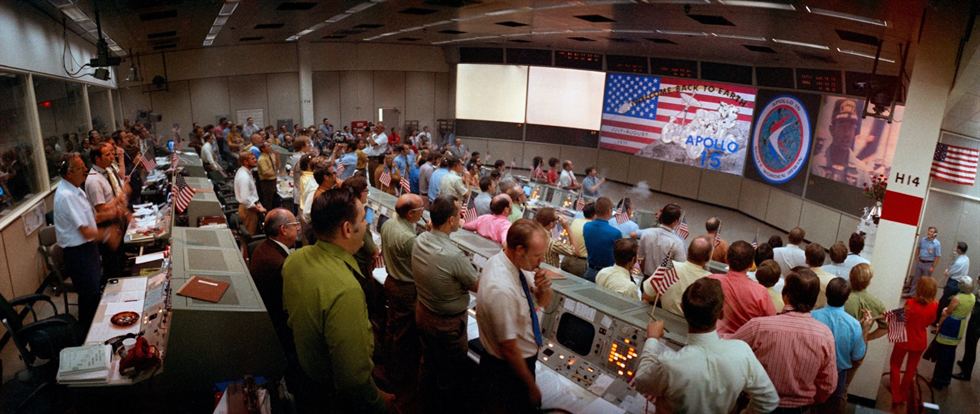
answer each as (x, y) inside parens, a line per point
(48, 236)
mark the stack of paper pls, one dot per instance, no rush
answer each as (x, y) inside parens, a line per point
(87, 364)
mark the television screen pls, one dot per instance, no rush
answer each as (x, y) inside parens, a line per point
(575, 333)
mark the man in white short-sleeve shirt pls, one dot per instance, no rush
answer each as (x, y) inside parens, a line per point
(512, 284)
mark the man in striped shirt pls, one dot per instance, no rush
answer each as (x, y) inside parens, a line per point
(796, 350)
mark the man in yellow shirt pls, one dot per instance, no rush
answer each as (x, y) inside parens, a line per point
(619, 278)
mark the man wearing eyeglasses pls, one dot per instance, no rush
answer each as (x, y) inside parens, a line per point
(265, 265)
(402, 338)
(77, 233)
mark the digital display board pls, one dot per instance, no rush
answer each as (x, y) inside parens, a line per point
(728, 73)
(630, 64)
(775, 77)
(818, 80)
(540, 57)
(675, 68)
(578, 60)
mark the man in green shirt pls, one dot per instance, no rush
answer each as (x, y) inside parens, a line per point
(328, 313)
(444, 278)
(401, 334)
(517, 207)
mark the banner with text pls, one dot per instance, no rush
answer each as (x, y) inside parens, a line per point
(684, 121)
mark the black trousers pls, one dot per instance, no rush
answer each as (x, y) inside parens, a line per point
(83, 265)
(972, 337)
(502, 381)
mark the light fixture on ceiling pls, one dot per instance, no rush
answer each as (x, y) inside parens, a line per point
(758, 4)
(361, 7)
(847, 16)
(730, 36)
(73, 12)
(227, 9)
(804, 44)
(501, 12)
(134, 75)
(341, 16)
(864, 55)
(681, 33)
(337, 18)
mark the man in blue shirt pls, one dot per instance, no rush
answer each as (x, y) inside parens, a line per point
(402, 162)
(629, 228)
(927, 253)
(436, 178)
(959, 268)
(850, 337)
(599, 239)
(349, 160)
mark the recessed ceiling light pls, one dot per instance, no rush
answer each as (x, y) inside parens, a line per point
(864, 55)
(227, 9)
(220, 20)
(680, 33)
(210, 42)
(360, 7)
(804, 44)
(441, 22)
(501, 12)
(847, 16)
(409, 29)
(337, 18)
(729, 36)
(759, 4)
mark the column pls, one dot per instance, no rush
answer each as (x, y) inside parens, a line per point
(931, 81)
(305, 59)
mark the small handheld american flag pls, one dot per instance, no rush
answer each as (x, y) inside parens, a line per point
(755, 242)
(622, 217)
(341, 168)
(470, 213)
(681, 229)
(184, 194)
(716, 240)
(664, 277)
(385, 178)
(896, 325)
(580, 204)
(149, 163)
(379, 262)
(407, 186)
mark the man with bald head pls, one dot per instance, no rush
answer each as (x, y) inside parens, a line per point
(265, 265)
(255, 145)
(493, 226)
(402, 337)
(720, 251)
(518, 197)
(688, 272)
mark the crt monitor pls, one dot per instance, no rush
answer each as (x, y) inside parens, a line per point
(170, 144)
(575, 333)
(527, 190)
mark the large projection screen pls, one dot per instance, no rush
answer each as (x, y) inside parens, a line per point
(491, 92)
(565, 97)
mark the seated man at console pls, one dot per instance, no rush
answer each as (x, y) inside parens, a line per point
(327, 311)
(493, 226)
(618, 278)
(688, 380)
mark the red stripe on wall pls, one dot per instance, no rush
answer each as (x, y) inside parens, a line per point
(901, 208)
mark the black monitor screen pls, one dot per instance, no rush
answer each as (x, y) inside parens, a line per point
(575, 333)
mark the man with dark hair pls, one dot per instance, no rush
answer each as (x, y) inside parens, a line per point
(659, 242)
(599, 238)
(619, 278)
(698, 254)
(797, 351)
(791, 255)
(838, 253)
(767, 273)
(265, 266)
(444, 277)
(855, 245)
(402, 338)
(566, 179)
(514, 284)
(577, 265)
(493, 226)
(815, 256)
(744, 299)
(482, 201)
(709, 374)
(955, 272)
(720, 251)
(435, 180)
(327, 311)
(927, 254)
(591, 182)
(425, 175)
(106, 192)
(850, 338)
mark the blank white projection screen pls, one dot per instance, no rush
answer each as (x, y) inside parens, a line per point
(565, 97)
(492, 92)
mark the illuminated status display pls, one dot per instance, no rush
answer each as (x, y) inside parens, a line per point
(675, 68)
(629, 64)
(580, 60)
(817, 80)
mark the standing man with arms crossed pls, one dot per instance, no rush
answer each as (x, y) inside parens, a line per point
(509, 329)
(444, 277)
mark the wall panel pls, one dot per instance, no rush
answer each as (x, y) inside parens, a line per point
(821, 223)
(783, 210)
(532, 149)
(175, 106)
(646, 171)
(445, 100)
(420, 99)
(754, 199)
(210, 97)
(848, 225)
(613, 165)
(581, 158)
(284, 98)
(326, 98)
(681, 180)
(719, 188)
(503, 150)
(130, 99)
(389, 92)
(6, 284)
(248, 92)
(24, 273)
(357, 96)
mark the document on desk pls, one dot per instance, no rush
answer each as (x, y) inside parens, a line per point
(126, 284)
(146, 258)
(102, 328)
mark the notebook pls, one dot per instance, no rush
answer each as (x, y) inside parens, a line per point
(204, 289)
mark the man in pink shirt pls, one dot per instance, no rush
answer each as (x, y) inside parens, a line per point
(744, 298)
(797, 351)
(493, 226)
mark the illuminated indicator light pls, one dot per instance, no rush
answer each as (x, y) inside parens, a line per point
(590, 370)
(551, 345)
(620, 372)
(626, 340)
(561, 356)
(545, 358)
(629, 373)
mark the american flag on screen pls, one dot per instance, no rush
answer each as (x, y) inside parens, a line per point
(665, 276)
(896, 325)
(385, 178)
(681, 229)
(955, 164)
(184, 194)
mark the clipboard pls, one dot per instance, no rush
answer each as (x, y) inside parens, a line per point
(204, 289)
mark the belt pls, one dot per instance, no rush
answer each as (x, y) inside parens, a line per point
(594, 267)
(927, 261)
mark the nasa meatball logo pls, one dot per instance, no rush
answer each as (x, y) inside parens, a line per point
(781, 140)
